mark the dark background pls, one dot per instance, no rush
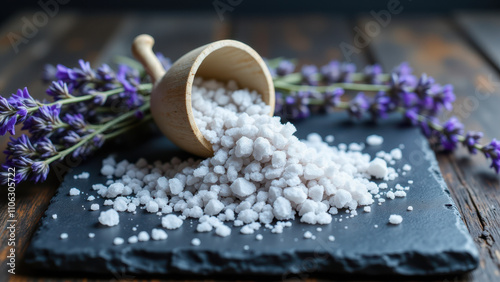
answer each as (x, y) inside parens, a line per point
(253, 7)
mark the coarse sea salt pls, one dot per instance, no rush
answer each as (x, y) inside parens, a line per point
(74, 192)
(260, 173)
(374, 140)
(395, 219)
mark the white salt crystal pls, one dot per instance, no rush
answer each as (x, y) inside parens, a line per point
(132, 239)
(378, 168)
(396, 154)
(74, 192)
(171, 221)
(94, 207)
(109, 218)
(259, 237)
(118, 241)
(374, 140)
(223, 230)
(54, 216)
(390, 195)
(308, 235)
(90, 198)
(367, 209)
(91, 235)
(329, 138)
(410, 208)
(158, 234)
(195, 242)
(107, 170)
(400, 194)
(407, 167)
(143, 236)
(243, 187)
(395, 219)
(64, 236)
(331, 238)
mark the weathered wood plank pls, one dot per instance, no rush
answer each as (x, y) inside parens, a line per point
(313, 39)
(482, 29)
(433, 46)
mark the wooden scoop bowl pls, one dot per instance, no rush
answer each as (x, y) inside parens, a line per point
(171, 96)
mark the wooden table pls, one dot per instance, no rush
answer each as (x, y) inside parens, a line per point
(463, 49)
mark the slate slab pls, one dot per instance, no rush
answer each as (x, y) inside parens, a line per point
(432, 240)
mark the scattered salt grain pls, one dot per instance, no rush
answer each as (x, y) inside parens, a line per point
(246, 247)
(378, 168)
(390, 195)
(374, 140)
(331, 238)
(195, 242)
(396, 153)
(91, 235)
(109, 218)
(94, 207)
(64, 236)
(83, 175)
(329, 138)
(395, 219)
(74, 192)
(410, 181)
(171, 221)
(367, 209)
(259, 237)
(407, 167)
(54, 216)
(90, 198)
(132, 239)
(410, 208)
(308, 235)
(118, 241)
(143, 236)
(158, 234)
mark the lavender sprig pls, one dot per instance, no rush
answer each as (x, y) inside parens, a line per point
(420, 101)
(89, 107)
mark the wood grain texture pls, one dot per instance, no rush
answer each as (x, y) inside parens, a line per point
(434, 46)
(482, 29)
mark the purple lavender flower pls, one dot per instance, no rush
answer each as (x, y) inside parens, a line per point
(332, 98)
(8, 117)
(285, 67)
(334, 72)
(373, 74)
(75, 121)
(380, 106)
(404, 72)
(471, 139)
(20, 147)
(444, 99)
(59, 90)
(44, 121)
(411, 114)
(449, 135)
(309, 73)
(492, 151)
(71, 138)
(45, 147)
(105, 73)
(358, 105)
(278, 105)
(296, 105)
(123, 76)
(40, 170)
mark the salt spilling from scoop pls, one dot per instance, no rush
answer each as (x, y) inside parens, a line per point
(260, 173)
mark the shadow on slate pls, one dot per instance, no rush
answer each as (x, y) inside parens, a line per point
(431, 240)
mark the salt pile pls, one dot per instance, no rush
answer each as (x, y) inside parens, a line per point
(260, 173)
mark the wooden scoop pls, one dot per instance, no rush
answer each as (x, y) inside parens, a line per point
(171, 96)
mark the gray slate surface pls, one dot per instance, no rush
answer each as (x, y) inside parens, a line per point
(432, 240)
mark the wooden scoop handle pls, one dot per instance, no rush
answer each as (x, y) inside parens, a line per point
(142, 49)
